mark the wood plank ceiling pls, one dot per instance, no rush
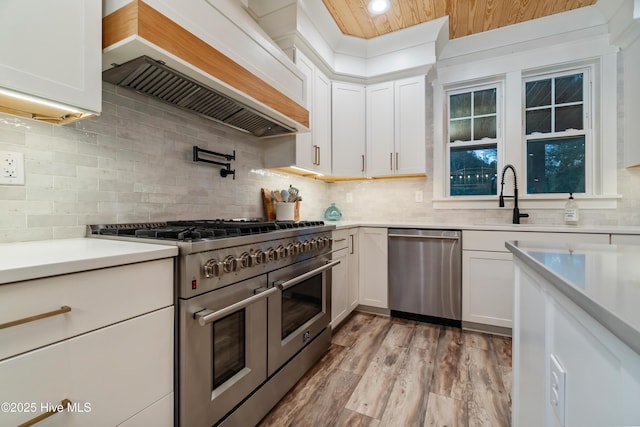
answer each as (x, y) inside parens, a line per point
(466, 17)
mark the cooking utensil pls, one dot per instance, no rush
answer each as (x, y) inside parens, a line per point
(293, 193)
(285, 195)
(276, 196)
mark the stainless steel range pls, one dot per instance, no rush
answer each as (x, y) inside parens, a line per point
(253, 311)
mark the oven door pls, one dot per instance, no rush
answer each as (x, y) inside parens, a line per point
(300, 310)
(223, 348)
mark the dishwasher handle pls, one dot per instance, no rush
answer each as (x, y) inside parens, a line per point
(418, 236)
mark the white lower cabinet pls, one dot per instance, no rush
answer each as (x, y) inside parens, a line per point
(601, 373)
(339, 287)
(344, 280)
(373, 268)
(487, 274)
(352, 271)
(111, 355)
(487, 297)
(108, 375)
(625, 239)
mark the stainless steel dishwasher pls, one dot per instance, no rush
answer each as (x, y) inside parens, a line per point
(425, 275)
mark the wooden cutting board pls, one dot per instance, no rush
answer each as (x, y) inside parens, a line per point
(268, 205)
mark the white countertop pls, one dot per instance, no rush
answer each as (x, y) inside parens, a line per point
(33, 260)
(611, 229)
(603, 280)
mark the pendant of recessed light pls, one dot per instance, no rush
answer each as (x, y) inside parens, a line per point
(377, 7)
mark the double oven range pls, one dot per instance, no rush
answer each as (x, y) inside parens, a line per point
(253, 311)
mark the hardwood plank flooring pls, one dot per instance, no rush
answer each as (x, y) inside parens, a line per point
(382, 372)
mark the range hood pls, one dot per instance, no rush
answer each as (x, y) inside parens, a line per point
(154, 78)
(251, 86)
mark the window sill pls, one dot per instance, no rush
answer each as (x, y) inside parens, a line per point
(552, 201)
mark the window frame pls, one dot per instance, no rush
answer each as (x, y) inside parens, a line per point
(496, 84)
(588, 100)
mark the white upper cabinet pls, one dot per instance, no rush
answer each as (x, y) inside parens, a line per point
(396, 127)
(348, 129)
(51, 51)
(380, 129)
(321, 125)
(410, 125)
(313, 149)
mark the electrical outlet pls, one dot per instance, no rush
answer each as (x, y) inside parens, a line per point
(557, 384)
(349, 197)
(418, 196)
(11, 168)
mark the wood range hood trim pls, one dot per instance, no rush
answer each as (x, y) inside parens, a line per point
(137, 29)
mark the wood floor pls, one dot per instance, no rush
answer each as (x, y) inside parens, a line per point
(382, 371)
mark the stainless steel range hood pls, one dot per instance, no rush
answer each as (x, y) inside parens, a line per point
(150, 77)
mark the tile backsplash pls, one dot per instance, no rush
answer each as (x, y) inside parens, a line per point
(133, 163)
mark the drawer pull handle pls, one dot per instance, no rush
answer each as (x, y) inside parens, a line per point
(64, 404)
(62, 310)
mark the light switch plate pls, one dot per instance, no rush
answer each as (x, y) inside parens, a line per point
(557, 384)
(349, 197)
(418, 196)
(11, 168)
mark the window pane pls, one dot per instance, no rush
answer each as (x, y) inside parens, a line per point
(460, 105)
(538, 93)
(556, 166)
(569, 89)
(484, 127)
(460, 130)
(539, 121)
(568, 118)
(473, 170)
(484, 102)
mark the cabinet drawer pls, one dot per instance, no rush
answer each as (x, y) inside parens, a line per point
(493, 241)
(110, 374)
(97, 298)
(625, 239)
(340, 239)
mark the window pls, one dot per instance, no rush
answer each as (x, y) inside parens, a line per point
(557, 132)
(474, 138)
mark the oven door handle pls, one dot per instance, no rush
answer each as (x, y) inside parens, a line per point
(283, 285)
(204, 317)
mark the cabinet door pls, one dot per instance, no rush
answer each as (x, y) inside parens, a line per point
(322, 122)
(352, 274)
(109, 375)
(348, 129)
(380, 130)
(487, 288)
(304, 156)
(373, 276)
(53, 50)
(410, 122)
(339, 288)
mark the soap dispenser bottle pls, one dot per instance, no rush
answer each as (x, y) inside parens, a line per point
(571, 213)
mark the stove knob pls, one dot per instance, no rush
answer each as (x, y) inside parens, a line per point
(291, 250)
(243, 261)
(212, 268)
(305, 246)
(327, 241)
(313, 244)
(230, 264)
(258, 257)
(269, 255)
(280, 252)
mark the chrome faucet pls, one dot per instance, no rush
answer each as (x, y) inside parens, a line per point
(516, 212)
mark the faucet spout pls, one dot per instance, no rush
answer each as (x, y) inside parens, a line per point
(516, 212)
